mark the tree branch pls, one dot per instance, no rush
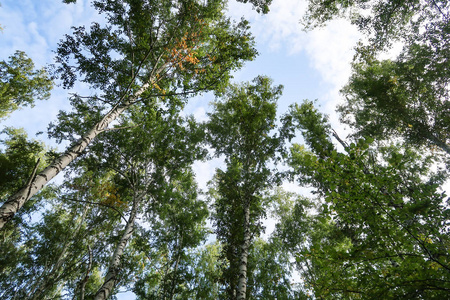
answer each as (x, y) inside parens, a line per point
(100, 204)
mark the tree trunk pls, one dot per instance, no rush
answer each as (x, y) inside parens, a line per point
(86, 277)
(175, 269)
(17, 200)
(111, 277)
(242, 285)
(48, 279)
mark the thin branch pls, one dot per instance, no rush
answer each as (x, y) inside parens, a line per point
(100, 204)
(33, 175)
(439, 9)
(336, 136)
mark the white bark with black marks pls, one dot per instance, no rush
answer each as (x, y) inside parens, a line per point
(114, 267)
(242, 284)
(17, 200)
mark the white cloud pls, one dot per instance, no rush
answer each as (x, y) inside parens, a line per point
(205, 170)
(331, 50)
(200, 114)
(280, 28)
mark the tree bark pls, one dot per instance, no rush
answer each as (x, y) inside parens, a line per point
(111, 277)
(48, 279)
(17, 200)
(242, 285)
(175, 269)
(86, 277)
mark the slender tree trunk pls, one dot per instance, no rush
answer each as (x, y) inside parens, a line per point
(173, 283)
(48, 279)
(83, 284)
(111, 277)
(242, 285)
(177, 262)
(17, 200)
(86, 277)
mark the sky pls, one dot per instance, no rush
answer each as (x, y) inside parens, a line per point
(310, 65)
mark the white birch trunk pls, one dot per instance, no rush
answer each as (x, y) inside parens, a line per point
(86, 277)
(49, 278)
(242, 284)
(17, 200)
(111, 277)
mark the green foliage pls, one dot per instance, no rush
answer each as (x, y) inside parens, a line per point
(171, 45)
(208, 270)
(270, 271)
(20, 84)
(259, 5)
(173, 235)
(241, 128)
(381, 231)
(53, 258)
(314, 126)
(18, 159)
(243, 121)
(405, 98)
(154, 171)
(382, 21)
(378, 228)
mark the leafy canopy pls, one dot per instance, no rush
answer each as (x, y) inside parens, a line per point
(20, 84)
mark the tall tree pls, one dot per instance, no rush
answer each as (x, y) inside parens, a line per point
(104, 203)
(178, 228)
(241, 128)
(20, 84)
(20, 159)
(382, 229)
(407, 97)
(50, 260)
(153, 172)
(148, 52)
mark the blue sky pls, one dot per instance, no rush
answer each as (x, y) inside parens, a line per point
(312, 65)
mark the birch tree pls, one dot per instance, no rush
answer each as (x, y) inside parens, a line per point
(150, 176)
(241, 128)
(147, 52)
(177, 229)
(21, 84)
(407, 96)
(381, 231)
(49, 260)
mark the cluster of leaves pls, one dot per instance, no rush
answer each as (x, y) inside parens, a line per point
(407, 97)
(20, 84)
(382, 228)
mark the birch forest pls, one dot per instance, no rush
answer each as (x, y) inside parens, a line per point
(126, 214)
